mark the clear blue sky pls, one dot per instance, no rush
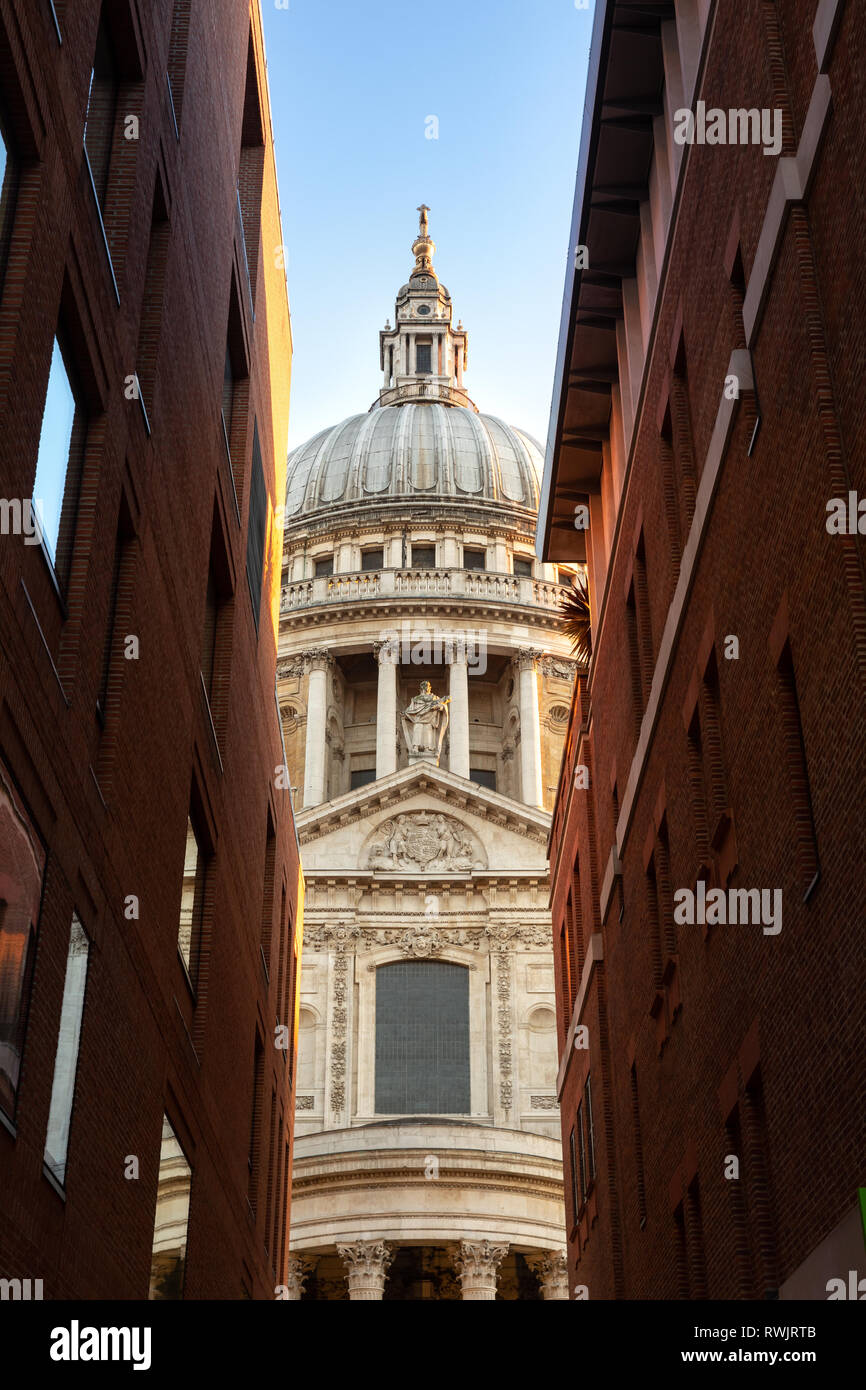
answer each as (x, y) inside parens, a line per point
(352, 84)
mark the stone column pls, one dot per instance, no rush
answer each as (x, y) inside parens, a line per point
(366, 1264)
(530, 727)
(319, 664)
(551, 1269)
(458, 728)
(477, 1264)
(298, 1270)
(449, 557)
(386, 710)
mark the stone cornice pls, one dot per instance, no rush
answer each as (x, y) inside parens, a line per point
(410, 605)
(414, 1176)
(391, 791)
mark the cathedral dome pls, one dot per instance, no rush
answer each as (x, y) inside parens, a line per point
(413, 451)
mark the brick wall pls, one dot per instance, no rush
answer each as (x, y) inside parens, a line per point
(109, 789)
(723, 1040)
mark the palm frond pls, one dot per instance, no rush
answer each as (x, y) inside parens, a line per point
(574, 607)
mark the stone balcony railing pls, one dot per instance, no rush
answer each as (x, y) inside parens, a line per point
(423, 583)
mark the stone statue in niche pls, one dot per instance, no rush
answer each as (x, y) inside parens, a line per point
(422, 842)
(424, 721)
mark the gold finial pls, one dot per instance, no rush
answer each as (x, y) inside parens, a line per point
(423, 246)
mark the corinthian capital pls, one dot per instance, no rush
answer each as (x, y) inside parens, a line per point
(317, 659)
(551, 1268)
(477, 1264)
(298, 1270)
(367, 1263)
(527, 658)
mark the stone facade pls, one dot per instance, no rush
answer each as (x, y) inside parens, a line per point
(424, 842)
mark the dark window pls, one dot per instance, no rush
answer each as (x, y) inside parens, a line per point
(484, 776)
(101, 112)
(251, 172)
(154, 288)
(256, 527)
(119, 600)
(324, 566)
(228, 398)
(23, 870)
(474, 559)
(423, 358)
(424, 557)
(177, 55)
(422, 1038)
(216, 639)
(575, 1188)
(58, 465)
(255, 1121)
(564, 577)
(372, 559)
(581, 1153)
(797, 769)
(361, 777)
(268, 892)
(523, 567)
(590, 1130)
(208, 641)
(8, 181)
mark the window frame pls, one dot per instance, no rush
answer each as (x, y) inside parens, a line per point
(59, 557)
(18, 1042)
(57, 1166)
(184, 1259)
(192, 964)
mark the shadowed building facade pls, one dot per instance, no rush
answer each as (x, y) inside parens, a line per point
(149, 874)
(707, 432)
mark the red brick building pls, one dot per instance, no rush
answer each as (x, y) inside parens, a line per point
(149, 874)
(708, 409)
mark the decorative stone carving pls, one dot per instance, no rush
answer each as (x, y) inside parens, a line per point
(298, 1270)
(543, 1103)
(558, 714)
(527, 658)
(424, 721)
(477, 1263)
(503, 992)
(367, 1263)
(424, 841)
(290, 666)
(551, 1269)
(338, 1032)
(422, 940)
(338, 936)
(317, 659)
(504, 936)
(558, 666)
(305, 1103)
(385, 653)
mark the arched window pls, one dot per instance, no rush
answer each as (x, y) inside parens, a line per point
(422, 1038)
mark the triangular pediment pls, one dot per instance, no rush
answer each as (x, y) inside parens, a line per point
(423, 820)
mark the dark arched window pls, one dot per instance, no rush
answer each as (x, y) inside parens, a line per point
(422, 1038)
